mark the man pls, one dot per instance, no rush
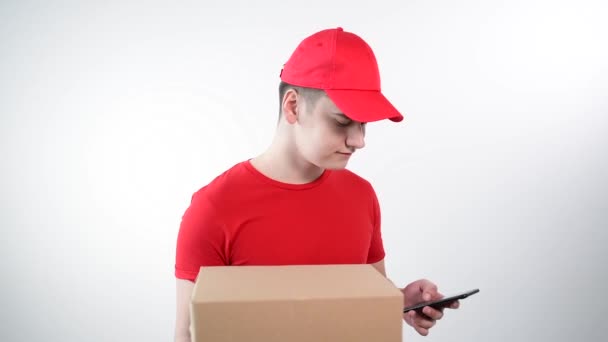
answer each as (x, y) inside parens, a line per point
(296, 203)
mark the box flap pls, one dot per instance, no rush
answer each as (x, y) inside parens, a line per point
(291, 282)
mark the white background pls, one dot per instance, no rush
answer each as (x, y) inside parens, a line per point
(113, 114)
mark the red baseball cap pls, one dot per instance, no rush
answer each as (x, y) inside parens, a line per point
(345, 67)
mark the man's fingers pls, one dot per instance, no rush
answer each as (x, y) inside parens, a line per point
(412, 315)
(420, 322)
(432, 313)
(454, 305)
(422, 331)
(429, 290)
(425, 323)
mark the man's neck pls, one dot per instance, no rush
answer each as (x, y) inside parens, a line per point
(283, 163)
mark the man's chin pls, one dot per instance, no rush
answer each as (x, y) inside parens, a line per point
(336, 166)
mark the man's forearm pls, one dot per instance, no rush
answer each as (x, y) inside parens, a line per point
(182, 334)
(183, 338)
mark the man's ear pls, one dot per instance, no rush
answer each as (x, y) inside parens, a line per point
(289, 106)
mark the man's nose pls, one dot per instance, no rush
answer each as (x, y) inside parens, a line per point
(356, 136)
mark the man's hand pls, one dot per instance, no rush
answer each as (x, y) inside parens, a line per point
(421, 291)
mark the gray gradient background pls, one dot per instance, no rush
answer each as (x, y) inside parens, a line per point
(114, 113)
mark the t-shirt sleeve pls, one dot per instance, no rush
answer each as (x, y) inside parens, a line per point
(201, 240)
(376, 250)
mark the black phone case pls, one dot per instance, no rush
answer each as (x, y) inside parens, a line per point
(441, 302)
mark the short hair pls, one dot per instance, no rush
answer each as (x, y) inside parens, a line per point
(310, 95)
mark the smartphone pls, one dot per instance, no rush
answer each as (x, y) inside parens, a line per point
(443, 302)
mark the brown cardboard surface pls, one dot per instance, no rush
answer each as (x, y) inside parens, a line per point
(295, 303)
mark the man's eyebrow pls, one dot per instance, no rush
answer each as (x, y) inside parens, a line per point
(341, 115)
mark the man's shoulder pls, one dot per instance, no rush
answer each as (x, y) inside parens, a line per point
(347, 173)
(228, 180)
(353, 179)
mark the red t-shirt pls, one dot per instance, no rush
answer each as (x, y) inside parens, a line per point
(245, 218)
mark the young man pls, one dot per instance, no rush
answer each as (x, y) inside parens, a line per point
(296, 203)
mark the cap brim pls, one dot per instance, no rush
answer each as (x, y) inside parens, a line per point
(364, 105)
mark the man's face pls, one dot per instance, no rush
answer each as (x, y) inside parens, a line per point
(325, 137)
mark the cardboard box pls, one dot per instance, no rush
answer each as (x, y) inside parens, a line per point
(296, 303)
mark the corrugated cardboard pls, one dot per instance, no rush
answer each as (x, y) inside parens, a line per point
(296, 303)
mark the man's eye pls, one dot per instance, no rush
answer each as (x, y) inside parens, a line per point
(343, 124)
